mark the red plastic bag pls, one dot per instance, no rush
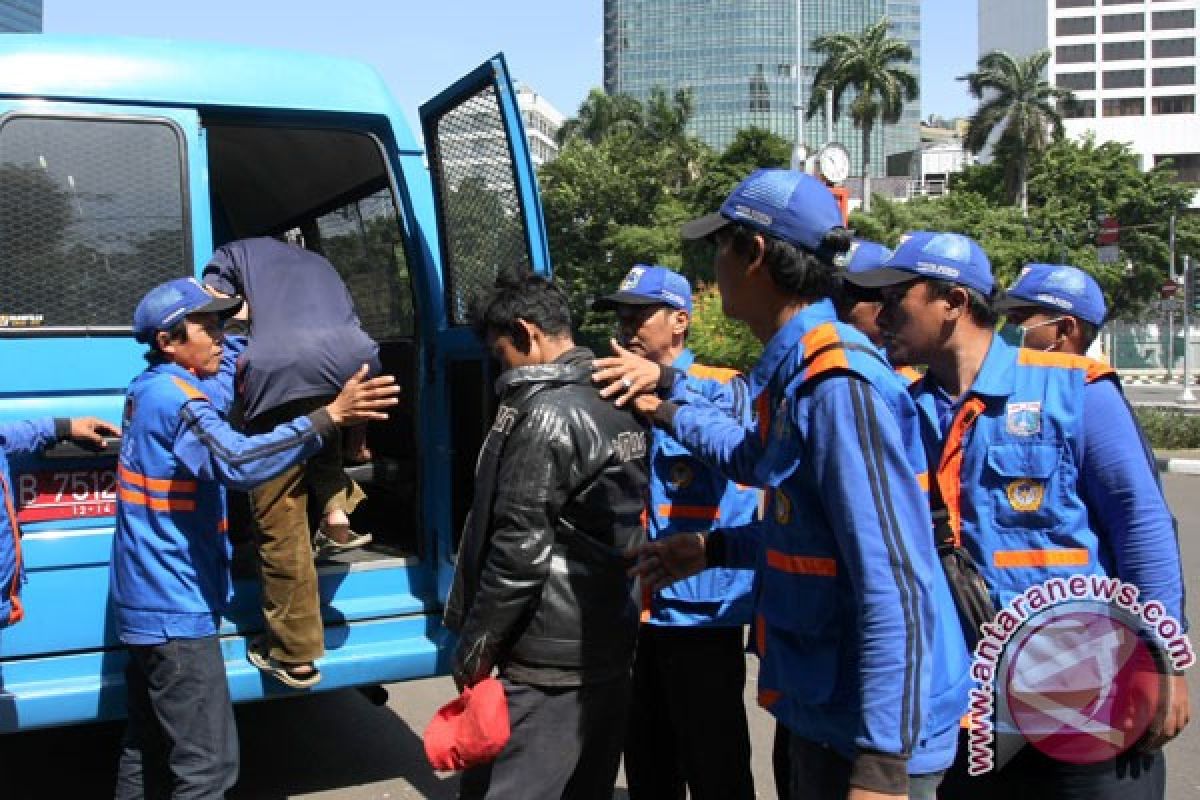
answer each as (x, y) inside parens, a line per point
(470, 730)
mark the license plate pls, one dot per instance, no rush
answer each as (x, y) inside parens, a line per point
(66, 494)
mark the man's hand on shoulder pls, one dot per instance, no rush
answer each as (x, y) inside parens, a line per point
(91, 431)
(626, 376)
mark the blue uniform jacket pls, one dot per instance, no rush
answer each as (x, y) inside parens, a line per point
(860, 649)
(686, 496)
(169, 576)
(1033, 496)
(15, 438)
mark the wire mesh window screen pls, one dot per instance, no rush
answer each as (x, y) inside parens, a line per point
(481, 205)
(362, 240)
(91, 216)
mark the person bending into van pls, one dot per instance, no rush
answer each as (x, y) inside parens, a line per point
(32, 436)
(169, 576)
(692, 644)
(540, 591)
(305, 342)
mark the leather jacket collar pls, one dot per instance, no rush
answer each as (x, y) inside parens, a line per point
(573, 366)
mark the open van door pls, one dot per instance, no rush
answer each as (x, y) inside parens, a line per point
(489, 218)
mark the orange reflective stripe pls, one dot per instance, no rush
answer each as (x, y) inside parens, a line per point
(909, 374)
(1067, 557)
(155, 503)
(191, 391)
(768, 697)
(965, 722)
(16, 611)
(949, 474)
(154, 484)
(223, 526)
(923, 481)
(760, 635)
(1093, 370)
(801, 565)
(721, 374)
(671, 511)
(834, 358)
(1096, 371)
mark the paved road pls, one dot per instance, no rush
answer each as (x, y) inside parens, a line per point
(1166, 394)
(338, 745)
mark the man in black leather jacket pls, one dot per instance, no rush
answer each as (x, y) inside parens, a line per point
(540, 590)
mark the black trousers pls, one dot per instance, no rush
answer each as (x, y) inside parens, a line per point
(181, 741)
(687, 723)
(1032, 775)
(565, 744)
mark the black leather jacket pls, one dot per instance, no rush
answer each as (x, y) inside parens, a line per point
(540, 588)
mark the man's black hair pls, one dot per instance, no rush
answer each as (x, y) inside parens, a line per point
(846, 296)
(176, 333)
(1088, 331)
(525, 296)
(978, 306)
(805, 274)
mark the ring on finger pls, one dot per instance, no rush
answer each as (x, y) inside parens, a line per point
(628, 384)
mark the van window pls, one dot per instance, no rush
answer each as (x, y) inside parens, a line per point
(91, 217)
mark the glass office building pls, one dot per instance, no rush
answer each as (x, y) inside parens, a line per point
(739, 59)
(20, 16)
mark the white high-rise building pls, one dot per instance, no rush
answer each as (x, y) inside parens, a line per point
(542, 121)
(1131, 64)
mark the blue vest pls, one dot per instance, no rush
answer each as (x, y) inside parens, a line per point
(1009, 468)
(170, 563)
(686, 496)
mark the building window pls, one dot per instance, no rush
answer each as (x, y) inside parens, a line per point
(1124, 51)
(1122, 2)
(1074, 3)
(1123, 23)
(1173, 20)
(1075, 53)
(1124, 78)
(1186, 166)
(1174, 104)
(1174, 76)
(1124, 106)
(1075, 26)
(1077, 80)
(1079, 109)
(1174, 48)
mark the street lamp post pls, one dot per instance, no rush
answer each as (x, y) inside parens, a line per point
(1186, 396)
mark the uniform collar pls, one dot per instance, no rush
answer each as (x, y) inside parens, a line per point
(785, 341)
(684, 360)
(996, 376)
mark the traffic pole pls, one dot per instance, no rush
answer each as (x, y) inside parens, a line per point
(1186, 396)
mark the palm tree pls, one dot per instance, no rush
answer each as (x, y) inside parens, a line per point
(870, 65)
(1020, 107)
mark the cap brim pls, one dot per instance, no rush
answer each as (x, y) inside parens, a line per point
(703, 227)
(221, 306)
(1007, 302)
(879, 278)
(612, 301)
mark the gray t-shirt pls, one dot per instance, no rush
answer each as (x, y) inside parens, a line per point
(305, 337)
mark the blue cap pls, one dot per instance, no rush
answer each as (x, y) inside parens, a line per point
(863, 256)
(930, 254)
(1057, 287)
(646, 285)
(783, 203)
(166, 304)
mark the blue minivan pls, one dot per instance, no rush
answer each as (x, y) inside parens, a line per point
(125, 162)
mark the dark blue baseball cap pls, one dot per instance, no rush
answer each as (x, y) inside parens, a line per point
(863, 256)
(949, 257)
(166, 304)
(789, 205)
(649, 285)
(1057, 287)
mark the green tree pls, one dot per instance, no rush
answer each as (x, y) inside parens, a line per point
(870, 64)
(1020, 107)
(717, 339)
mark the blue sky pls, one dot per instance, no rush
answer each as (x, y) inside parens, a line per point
(419, 47)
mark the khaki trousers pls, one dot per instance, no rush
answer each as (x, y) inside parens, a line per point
(290, 597)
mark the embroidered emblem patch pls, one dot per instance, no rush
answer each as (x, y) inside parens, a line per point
(783, 507)
(1025, 494)
(681, 475)
(631, 280)
(1024, 419)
